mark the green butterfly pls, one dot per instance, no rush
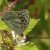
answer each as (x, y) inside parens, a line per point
(17, 20)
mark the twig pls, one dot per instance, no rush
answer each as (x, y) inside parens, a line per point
(8, 7)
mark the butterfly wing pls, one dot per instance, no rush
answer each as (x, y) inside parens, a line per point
(17, 21)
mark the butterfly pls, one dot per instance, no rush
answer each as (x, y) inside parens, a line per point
(17, 20)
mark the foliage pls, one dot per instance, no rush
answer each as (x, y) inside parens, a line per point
(39, 25)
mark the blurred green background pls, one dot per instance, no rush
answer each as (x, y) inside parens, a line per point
(39, 25)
